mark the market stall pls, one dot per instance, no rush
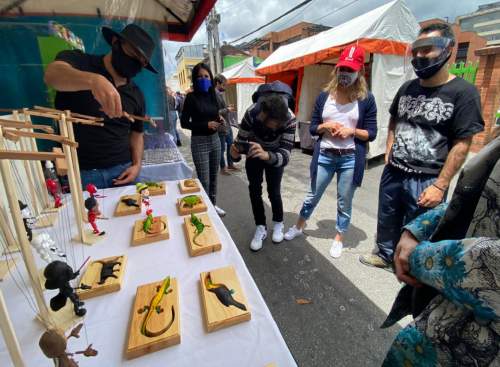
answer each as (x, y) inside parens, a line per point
(306, 65)
(242, 82)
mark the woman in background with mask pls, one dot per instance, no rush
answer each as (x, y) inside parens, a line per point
(344, 119)
(200, 114)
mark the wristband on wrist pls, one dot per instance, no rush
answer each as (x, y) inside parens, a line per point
(439, 188)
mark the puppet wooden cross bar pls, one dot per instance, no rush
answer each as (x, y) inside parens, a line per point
(21, 125)
(74, 114)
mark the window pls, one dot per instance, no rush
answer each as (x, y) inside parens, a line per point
(463, 48)
(264, 47)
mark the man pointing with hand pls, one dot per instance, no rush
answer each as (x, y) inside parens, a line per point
(102, 86)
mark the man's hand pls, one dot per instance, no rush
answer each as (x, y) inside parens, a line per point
(213, 125)
(256, 151)
(430, 197)
(128, 175)
(106, 94)
(234, 152)
(344, 132)
(405, 247)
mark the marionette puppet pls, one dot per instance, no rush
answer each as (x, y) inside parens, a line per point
(54, 343)
(93, 213)
(58, 275)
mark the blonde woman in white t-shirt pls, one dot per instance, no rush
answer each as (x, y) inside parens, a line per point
(344, 119)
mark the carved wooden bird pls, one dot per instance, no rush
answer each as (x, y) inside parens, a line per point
(223, 293)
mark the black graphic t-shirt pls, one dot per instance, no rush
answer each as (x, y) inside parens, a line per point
(428, 120)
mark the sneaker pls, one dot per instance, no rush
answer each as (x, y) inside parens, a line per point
(233, 168)
(278, 232)
(292, 233)
(336, 249)
(375, 261)
(260, 235)
(220, 211)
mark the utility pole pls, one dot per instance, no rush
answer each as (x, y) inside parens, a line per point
(214, 54)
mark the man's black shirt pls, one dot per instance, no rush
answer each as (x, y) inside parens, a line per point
(107, 146)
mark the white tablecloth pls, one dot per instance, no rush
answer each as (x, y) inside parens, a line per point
(254, 343)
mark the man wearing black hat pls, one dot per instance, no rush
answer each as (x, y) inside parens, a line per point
(101, 85)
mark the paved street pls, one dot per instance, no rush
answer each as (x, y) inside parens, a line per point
(349, 300)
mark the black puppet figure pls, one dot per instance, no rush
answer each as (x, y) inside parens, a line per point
(28, 219)
(58, 275)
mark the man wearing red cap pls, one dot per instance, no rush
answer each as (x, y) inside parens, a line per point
(433, 119)
(344, 120)
(102, 86)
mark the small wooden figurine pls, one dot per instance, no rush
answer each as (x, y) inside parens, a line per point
(54, 190)
(28, 219)
(58, 274)
(143, 189)
(53, 344)
(156, 188)
(152, 228)
(128, 205)
(188, 186)
(155, 320)
(224, 303)
(191, 204)
(102, 276)
(201, 236)
(46, 247)
(52, 184)
(93, 213)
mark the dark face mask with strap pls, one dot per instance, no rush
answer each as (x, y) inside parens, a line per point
(125, 65)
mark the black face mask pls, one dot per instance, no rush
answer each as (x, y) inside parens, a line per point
(426, 68)
(126, 66)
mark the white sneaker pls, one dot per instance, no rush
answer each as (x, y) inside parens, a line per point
(336, 249)
(260, 235)
(220, 211)
(292, 233)
(278, 232)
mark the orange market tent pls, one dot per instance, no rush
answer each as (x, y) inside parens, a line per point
(385, 33)
(242, 82)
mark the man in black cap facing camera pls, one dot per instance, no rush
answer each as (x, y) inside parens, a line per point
(101, 85)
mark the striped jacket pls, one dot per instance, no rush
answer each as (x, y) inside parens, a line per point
(277, 143)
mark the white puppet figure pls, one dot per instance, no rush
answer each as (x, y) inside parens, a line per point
(46, 247)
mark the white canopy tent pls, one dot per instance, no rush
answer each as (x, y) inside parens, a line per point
(385, 33)
(242, 82)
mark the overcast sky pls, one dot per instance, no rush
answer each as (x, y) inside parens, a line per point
(239, 17)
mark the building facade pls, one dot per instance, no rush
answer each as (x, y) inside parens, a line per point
(264, 46)
(485, 21)
(187, 57)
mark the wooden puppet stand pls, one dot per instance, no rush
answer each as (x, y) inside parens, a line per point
(103, 276)
(167, 318)
(47, 219)
(204, 243)
(216, 314)
(189, 186)
(185, 208)
(123, 209)
(158, 232)
(5, 267)
(11, 242)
